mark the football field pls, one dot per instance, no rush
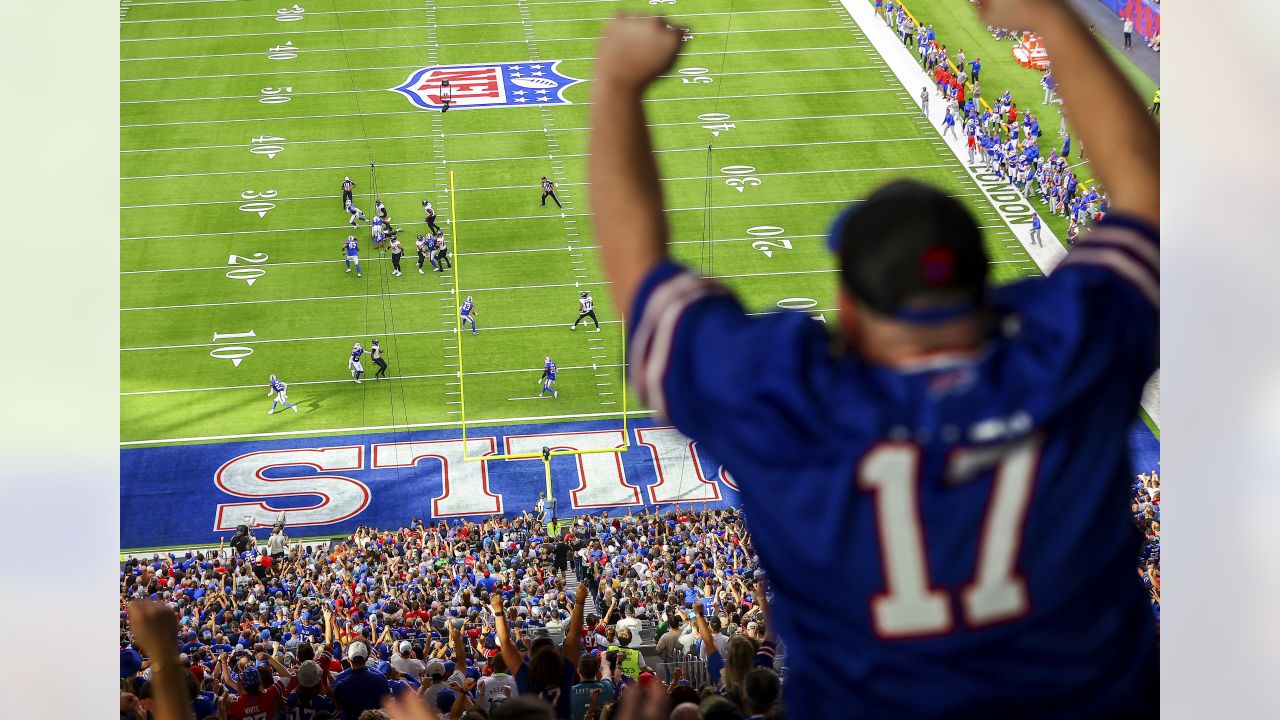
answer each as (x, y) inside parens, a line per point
(240, 120)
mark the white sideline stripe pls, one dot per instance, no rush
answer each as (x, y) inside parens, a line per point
(419, 110)
(467, 254)
(536, 217)
(417, 67)
(348, 380)
(454, 25)
(406, 426)
(311, 13)
(405, 333)
(531, 157)
(379, 89)
(441, 292)
(439, 136)
(432, 46)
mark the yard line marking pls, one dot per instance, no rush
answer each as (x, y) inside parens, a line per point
(515, 132)
(369, 428)
(540, 217)
(525, 157)
(381, 89)
(347, 380)
(566, 184)
(402, 333)
(503, 42)
(458, 25)
(418, 66)
(418, 111)
(441, 292)
(267, 16)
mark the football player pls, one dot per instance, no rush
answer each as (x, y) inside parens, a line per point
(378, 230)
(397, 252)
(468, 314)
(548, 379)
(375, 352)
(354, 363)
(586, 308)
(442, 252)
(351, 251)
(431, 216)
(278, 388)
(356, 213)
(421, 245)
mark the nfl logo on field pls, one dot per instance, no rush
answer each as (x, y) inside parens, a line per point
(487, 86)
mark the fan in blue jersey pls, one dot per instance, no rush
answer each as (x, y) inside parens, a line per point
(952, 467)
(468, 314)
(354, 363)
(277, 390)
(351, 251)
(355, 213)
(548, 379)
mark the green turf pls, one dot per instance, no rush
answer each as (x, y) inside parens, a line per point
(810, 111)
(959, 27)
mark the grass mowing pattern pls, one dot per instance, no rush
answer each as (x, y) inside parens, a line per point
(812, 110)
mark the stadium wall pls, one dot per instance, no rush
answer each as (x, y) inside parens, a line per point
(192, 495)
(1145, 15)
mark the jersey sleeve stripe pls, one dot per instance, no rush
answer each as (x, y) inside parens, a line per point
(656, 333)
(1137, 245)
(1122, 264)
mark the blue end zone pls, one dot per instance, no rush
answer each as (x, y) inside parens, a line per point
(196, 494)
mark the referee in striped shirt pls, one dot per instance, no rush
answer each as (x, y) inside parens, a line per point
(347, 187)
(549, 190)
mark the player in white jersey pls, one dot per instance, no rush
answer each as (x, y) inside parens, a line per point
(586, 308)
(278, 389)
(354, 363)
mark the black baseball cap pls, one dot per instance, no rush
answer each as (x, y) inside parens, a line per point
(912, 253)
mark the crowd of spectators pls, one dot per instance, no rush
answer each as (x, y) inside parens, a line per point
(1007, 139)
(461, 619)
(1146, 512)
(473, 620)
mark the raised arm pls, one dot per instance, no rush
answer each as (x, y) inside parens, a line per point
(626, 202)
(573, 636)
(1123, 141)
(510, 655)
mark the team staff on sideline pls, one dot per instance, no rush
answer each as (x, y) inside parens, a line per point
(586, 309)
(549, 191)
(375, 352)
(347, 187)
(948, 420)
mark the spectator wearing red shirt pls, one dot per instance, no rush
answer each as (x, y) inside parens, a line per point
(254, 703)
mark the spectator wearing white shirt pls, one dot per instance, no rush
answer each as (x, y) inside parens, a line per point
(632, 624)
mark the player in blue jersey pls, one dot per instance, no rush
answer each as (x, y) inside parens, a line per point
(351, 251)
(468, 314)
(355, 213)
(354, 365)
(431, 246)
(277, 389)
(548, 379)
(953, 464)
(377, 230)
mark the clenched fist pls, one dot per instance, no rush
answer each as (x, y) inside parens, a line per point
(636, 49)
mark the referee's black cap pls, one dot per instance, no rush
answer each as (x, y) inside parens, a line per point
(912, 253)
